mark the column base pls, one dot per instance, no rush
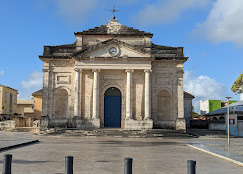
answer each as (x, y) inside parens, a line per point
(44, 123)
(95, 123)
(181, 124)
(138, 124)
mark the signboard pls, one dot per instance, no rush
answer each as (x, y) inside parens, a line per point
(237, 108)
(232, 121)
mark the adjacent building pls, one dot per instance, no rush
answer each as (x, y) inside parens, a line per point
(37, 104)
(207, 106)
(188, 97)
(113, 76)
(235, 118)
(25, 108)
(8, 100)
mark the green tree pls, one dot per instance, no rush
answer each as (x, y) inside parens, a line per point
(237, 87)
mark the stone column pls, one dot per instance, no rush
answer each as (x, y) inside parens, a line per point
(147, 95)
(129, 95)
(96, 94)
(45, 92)
(77, 93)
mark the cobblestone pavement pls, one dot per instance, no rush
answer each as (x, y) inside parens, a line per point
(105, 155)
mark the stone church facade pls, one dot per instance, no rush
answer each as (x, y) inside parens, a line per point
(113, 76)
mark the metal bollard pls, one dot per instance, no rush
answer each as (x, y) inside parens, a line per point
(7, 160)
(128, 166)
(191, 167)
(69, 165)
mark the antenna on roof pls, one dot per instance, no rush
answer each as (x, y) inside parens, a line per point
(114, 12)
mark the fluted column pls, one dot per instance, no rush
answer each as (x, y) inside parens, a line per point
(77, 93)
(147, 96)
(129, 95)
(96, 94)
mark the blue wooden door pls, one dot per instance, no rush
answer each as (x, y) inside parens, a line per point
(112, 111)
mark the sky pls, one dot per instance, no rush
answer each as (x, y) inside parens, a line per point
(211, 32)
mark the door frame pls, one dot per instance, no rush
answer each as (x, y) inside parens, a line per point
(102, 104)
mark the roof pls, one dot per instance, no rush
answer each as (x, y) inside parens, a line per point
(37, 93)
(107, 30)
(8, 87)
(188, 95)
(223, 110)
(116, 31)
(25, 102)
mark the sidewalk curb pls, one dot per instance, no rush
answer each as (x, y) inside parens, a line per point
(217, 155)
(18, 145)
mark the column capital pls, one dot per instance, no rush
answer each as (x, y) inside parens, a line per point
(95, 70)
(148, 70)
(129, 70)
(45, 70)
(78, 70)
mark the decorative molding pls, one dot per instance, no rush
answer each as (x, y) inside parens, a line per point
(163, 80)
(78, 70)
(129, 70)
(148, 70)
(46, 70)
(95, 70)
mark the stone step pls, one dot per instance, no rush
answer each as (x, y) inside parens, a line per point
(148, 133)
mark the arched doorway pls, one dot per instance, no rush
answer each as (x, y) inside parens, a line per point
(112, 110)
(61, 103)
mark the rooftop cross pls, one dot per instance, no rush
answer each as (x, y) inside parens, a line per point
(114, 12)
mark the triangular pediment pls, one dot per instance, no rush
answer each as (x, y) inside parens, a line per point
(113, 48)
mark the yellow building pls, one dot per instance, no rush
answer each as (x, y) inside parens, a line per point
(38, 104)
(8, 100)
(25, 107)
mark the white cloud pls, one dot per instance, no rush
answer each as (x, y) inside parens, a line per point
(32, 84)
(223, 24)
(1, 72)
(166, 11)
(35, 80)
(75, 11)
(203, 88)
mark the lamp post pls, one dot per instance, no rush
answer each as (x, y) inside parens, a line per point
(228, 120)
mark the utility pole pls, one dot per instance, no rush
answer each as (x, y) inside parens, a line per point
(228, 120)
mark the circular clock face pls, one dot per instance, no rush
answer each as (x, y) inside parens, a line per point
(113, 51)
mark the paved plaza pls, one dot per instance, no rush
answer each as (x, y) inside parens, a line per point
(105, 155)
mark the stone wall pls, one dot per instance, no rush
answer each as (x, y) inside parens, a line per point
(7, 124)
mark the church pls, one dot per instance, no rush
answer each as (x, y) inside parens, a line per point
(113, 76)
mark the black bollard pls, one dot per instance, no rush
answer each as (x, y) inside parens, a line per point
(191, 167)
(128, 166)
(7, 160)
(69, 165)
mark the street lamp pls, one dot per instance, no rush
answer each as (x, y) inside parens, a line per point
(228, 120)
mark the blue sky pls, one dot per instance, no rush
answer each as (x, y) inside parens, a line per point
(211, 32)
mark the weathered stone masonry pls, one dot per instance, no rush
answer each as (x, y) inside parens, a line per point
(113, 56)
